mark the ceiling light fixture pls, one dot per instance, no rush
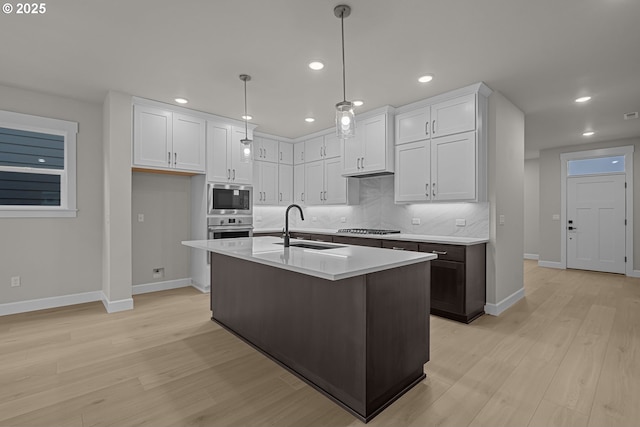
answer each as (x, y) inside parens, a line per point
(588, 133)
(358, 103)
(316, 65)
(247, 117)
(426, 78)
(345, 117)
(309, 120)
(246, 142)
(181, 100)
(583, 99)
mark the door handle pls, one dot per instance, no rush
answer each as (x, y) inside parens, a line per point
(426, 186)
(434, 189)
(175, 158)
(433, 127)
(325, 196)
(265, 153)
(396, 248)
(234, 174)
(426, 128)
(228, 173)
(439, 252)
(572, 228)
(169, 158)
(320, 151)
(281, 155)
(358, 163)
(302, 196)
(280, 196)
(321, 196)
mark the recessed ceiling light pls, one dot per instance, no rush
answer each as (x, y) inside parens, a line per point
(358, 103)
(247, 117)
(41, 160)
(181, 100)
(426, 78)
(309, 120)
(588, 133)
(316, 65)
(614, 162)
(583, 99)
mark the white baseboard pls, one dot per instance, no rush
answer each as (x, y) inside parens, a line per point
(50, 302)
(551, 264)
(205, 289)
(496, 309)
(117, 305)
(160, 286)
(531, 256)
(634, 273)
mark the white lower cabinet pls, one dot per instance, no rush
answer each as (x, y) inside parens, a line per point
(298, 184)
(324, 184)
(441, 169)
(285, 184)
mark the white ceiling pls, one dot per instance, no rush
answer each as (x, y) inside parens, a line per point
(541, 54)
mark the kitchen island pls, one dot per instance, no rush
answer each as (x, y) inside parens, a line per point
(351, 321)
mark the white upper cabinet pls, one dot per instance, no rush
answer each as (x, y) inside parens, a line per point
(413, 125)
(298, 184)
(441, 148)
(285, 184)
(314, 149)
(298, 153)
(324, 184)
(371, 151)
(167, 140)
(265, 150)
(266, 187)
(226, 157)
(456, 115)
(286, 153)
(332, 146)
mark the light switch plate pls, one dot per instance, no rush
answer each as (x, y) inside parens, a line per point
(15, 281)
(343, 219)
(140, 217)
(501, 220)
(461, 222)
(555, 217)
(415, 221)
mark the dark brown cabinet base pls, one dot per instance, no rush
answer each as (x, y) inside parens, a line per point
(361, 341)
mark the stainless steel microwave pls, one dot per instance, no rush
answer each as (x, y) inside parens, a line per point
(229, 199)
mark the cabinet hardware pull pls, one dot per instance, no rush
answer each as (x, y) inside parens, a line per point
(175, 158)
(439, 252)
(302, 196)
(280, 196)
(321, 196)
(169, 157)
(265, 153)
(426, 187)
(398, 248)
(228, 173)
(234, 174)
(320, 151)
(281, 155)
(426, 128)
(325, 196)
(362, 163)
(434, 189)
(302, 156)
(358, 163)
(433, 127)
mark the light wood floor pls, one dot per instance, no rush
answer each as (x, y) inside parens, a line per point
(566, 355)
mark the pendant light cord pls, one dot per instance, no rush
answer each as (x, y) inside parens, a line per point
(246, 132)
(344, 79)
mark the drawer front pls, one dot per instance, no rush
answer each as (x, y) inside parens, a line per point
(321, 237)
(358, 241)
(296, 235)
(444, 252)
(400, 245)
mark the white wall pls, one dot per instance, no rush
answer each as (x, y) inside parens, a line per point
(531, 208)
(165, 202)
(505, 276)
(550, 203)
(57, 256)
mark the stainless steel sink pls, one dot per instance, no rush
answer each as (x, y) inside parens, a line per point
(316, 246)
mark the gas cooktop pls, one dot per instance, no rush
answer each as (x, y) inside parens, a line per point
(367, 231)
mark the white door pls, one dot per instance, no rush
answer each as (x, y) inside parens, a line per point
(153, 137)
(374, 144)
(453, 167)
(413, 126)
(335, 184)
(241, 163)
(453, 116)
(218, 139)
(596, 223)
(188, 142)
(412, 179)
(285, 184)
(314, 183)
(298, 184)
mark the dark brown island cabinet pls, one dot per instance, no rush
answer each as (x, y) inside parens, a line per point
(458, 276)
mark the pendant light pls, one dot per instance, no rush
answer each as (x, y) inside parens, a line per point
(345, 117)
(246, 142)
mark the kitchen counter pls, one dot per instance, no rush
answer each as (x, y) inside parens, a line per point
(424, 238)
(331, 264)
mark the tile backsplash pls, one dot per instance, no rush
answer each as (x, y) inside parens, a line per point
(377, 209)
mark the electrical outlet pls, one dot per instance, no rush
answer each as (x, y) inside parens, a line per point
(343, 219)
(501, 220)
(555, 217)
(15, 281)
(461, 222)
(415, 221)
(158, 273)
(140, 217)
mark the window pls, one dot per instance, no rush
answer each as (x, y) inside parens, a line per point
(594, 166)
(37, 166)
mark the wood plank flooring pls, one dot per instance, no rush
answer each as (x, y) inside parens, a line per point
(566, 355)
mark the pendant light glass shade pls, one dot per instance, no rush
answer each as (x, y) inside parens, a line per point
(345, 117)
(345, 120)
(246, 142)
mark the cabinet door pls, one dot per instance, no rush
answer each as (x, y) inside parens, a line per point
(332, 146)
(335, 184)
(447, 286)
(352, 149)
(267, 183)
(241, 165)
(413, 126)
(314, 183)
(453, 167)
(218, 139)
(314, 149)
(453, 116)
(412, 177)
(267, 150)
(298, 184)
(188, 143)
(298, 153)
(374, 156)
(152, 140)
(286, 153)
(285, 184)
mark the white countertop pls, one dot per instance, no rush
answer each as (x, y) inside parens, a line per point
(450, 240)
(332, 264)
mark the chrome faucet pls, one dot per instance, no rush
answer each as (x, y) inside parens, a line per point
(286, 223)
